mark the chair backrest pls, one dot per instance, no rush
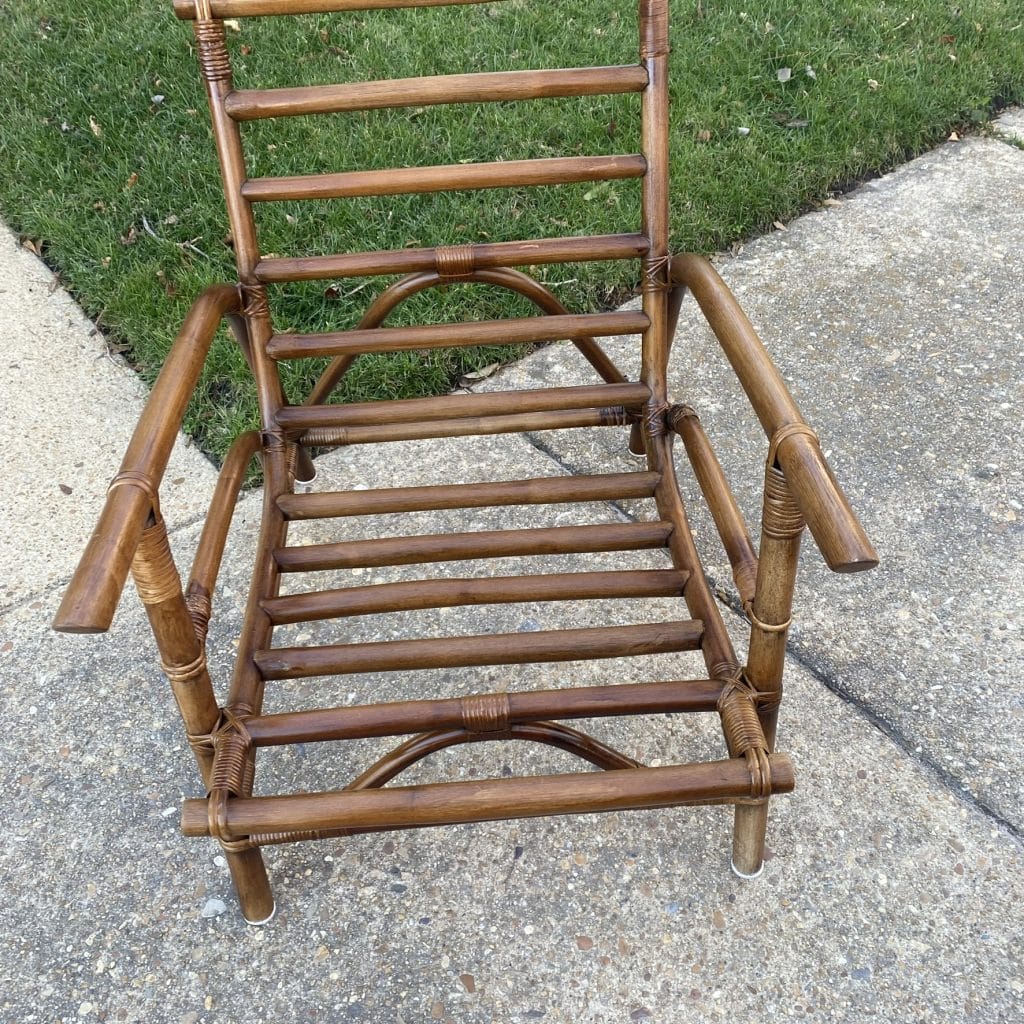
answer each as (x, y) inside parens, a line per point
(450, 259)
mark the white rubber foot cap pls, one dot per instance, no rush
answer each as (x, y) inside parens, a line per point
(266, 920)
(742, 874)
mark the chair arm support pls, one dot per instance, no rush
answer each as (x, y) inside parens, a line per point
(832, 522)
(91, 598)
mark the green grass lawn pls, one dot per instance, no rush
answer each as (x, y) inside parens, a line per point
(106, 160)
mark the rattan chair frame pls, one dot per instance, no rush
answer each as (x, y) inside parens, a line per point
(131, 535)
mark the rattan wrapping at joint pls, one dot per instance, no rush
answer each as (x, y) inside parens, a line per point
(781, 518)
(454, 260)
(214, 62)
(487, 712)
(655, 419)
(156, 577)
(656, 273)
(740, 723)
(200, 608)
(256, 302)
(232, 770)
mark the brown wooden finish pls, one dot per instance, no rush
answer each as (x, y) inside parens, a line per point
(445, 178)
(497, 403)
(518, 423)
(186, 9)
(486, 256)
(496, 649)
(452, 803)
(728, 519)
(503, 277)
(487, 87)
(836, 529)
(527, 330)
(556, 540)
(798, 486)
(447, 593)
(404, 717)
(91, 597)
(539, 491)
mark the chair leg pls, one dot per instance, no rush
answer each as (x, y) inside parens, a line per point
(748, 838)
(252, 885)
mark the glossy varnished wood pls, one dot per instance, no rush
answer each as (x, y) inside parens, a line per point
(495, 649)
(523, 331)
(486, 87)
(555, 540)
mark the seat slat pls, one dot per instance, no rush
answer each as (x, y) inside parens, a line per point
(448, 593)
(399, 718)
(485, 87)
(496, 649)
(418, 410)
(478, 426)
(525, 330)
(537, 491)
(186, 9)
(485, 256)
(445, 178)
(555, 540)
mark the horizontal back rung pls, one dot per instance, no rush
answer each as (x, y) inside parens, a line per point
(416, 410)
(186, 9)
(485, 256)
(445, 178)
(525, 330)
(449, 593)
(494, 649)
(474, 426)
(449, 547)
(538, 491)
(485, 87)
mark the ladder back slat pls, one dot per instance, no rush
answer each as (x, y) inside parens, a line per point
(485, 87)
(526, 330)
(538, 491)
(445, 178)
(475, 426)
(496, 649)
(186, 10)
(450, 593)
(555, 540)
(485, 256)
(416, 410)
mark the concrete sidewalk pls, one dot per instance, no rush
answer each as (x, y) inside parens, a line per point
(895, 890)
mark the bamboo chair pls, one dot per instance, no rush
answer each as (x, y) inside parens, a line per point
(131, 535)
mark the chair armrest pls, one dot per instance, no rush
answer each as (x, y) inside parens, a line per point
(91, 597)
(832, 522)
